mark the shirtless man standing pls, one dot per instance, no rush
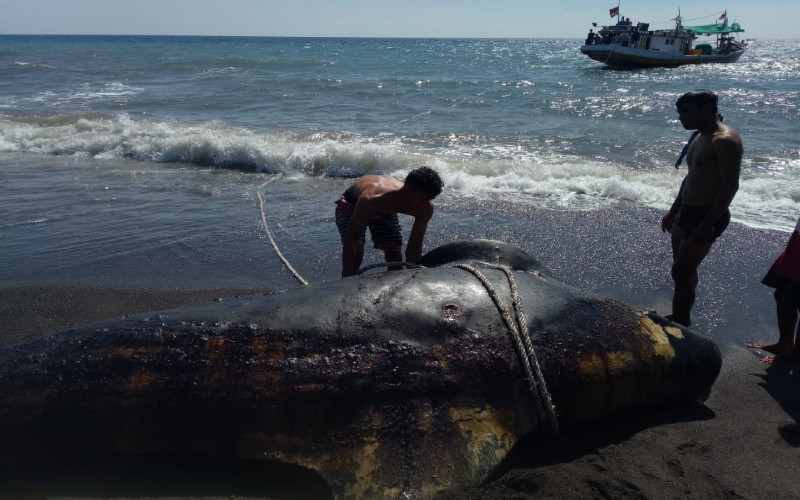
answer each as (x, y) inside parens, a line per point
(700, 211)
(375, 201)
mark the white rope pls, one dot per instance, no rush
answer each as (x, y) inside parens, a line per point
(518, 330)
(269, 234)
(611, 52)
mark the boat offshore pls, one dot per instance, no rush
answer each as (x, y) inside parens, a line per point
(629, 44)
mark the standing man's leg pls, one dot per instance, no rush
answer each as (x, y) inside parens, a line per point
(677, 237)
(687, 258)
(795, 353)
(787, 319)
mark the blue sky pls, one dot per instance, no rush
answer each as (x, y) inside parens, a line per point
(378, 18)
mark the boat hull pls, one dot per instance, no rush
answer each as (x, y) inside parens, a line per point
(616, 55)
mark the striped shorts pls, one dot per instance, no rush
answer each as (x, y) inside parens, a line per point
(384, 228)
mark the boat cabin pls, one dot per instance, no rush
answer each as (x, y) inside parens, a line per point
(639, 37)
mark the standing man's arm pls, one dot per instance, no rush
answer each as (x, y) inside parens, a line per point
(669, 218)
(414, 247)
(728, 151)
(353, 246)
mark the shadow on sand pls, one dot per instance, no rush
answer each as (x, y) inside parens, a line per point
(782, 382)
(538, 468)
(536, 452)
(162, 476)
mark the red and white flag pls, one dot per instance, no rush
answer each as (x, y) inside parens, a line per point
(724, 15)
(614, 11)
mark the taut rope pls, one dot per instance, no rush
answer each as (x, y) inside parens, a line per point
(520, 336)
(269, 234)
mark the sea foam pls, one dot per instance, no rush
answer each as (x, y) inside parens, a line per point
(468, 166)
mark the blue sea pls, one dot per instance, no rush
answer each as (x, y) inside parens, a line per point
(139, 161)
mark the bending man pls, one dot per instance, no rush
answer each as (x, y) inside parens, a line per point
(374, 201)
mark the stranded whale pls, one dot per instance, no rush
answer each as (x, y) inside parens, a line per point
(390, 384)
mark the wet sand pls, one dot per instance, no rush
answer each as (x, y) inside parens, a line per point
(743, 443)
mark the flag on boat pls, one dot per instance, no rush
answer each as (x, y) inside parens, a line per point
(724, 15)
(614, 11)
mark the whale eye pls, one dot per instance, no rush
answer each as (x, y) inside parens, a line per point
(451, 311)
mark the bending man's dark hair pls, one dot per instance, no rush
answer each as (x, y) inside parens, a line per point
(425, 180)
(699, 98)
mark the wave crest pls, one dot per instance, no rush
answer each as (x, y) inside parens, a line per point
(202, 144)
(470, 166)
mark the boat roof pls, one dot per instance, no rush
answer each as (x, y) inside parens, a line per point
(715, 28)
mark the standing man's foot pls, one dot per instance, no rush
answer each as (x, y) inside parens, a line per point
(790, 359)
(681, 321)
(776, 348)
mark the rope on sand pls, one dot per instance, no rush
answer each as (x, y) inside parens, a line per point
(269, 234)
(518, 330)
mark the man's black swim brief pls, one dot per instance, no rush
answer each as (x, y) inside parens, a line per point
(690, 217)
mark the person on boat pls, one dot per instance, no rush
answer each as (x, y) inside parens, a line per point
(374, 201)
(590, 38)
(724, 45)
(784, 277)
(700, 212)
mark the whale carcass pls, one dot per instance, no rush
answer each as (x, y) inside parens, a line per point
(389, 384)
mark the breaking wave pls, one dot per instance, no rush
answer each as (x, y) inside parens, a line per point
(470, 166)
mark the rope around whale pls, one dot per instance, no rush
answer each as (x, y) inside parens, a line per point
(518, 330)
(297, 275)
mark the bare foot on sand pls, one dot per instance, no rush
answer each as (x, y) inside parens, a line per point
(776, 348)
(789, 360)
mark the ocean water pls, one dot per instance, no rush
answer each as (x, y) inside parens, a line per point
(533, 120)
(139, 160)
